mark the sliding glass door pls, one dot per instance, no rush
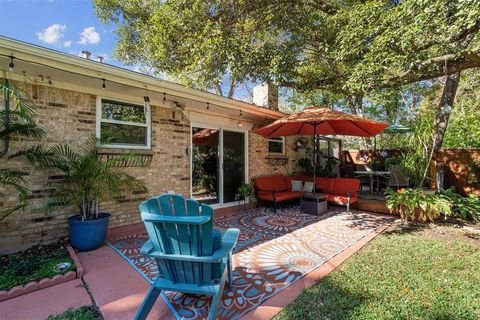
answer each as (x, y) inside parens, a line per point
(233, 163)
(218, 164)
(205, 165)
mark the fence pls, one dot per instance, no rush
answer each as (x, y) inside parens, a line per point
(461, 167)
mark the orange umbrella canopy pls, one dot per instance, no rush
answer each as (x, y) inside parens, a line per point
(324, 121)
(206, 137)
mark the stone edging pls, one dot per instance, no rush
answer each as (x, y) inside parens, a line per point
(47, 282)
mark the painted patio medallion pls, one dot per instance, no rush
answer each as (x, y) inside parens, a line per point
(274, 250)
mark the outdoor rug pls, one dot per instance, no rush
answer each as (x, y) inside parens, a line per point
(274, 250)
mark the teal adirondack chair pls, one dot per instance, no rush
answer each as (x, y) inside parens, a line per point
(181, 243)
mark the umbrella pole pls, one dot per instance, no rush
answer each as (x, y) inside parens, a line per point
(314, 157)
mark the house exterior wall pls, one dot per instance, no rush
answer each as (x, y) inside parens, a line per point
(259, 158)
(69, 117)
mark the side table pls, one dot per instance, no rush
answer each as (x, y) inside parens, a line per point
(314, 203)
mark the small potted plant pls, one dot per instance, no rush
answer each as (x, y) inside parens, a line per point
(86, 182)
(244, 192)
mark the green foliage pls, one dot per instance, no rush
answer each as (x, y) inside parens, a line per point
(205, 171)
(418, 205)
(419, 148)
(464, 124)
(18, 120)
(399, 275)
(83, 313)
(325, 167)
(245, 190)
(86, 181)
(389, 162)
(341, 46)
(464, 207)
(34, 264)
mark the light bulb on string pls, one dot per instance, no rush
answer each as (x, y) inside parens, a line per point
(11, 65)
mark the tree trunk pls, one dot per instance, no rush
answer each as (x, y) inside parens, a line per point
(355, 104)
(231, 90)
(445, 107)
(218, 90)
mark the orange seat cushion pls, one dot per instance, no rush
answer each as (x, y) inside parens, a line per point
(345, 186)
(279, 183)
(263, 183)
(288, 182)
(279, 196)
(327, 185)
(267, 196)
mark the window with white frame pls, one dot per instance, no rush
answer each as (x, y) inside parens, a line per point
(276, 145)
(123, 125)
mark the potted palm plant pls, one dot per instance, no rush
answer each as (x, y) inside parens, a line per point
(244, 192)
(86, 182)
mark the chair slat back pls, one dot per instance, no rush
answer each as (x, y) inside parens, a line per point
(180, 238)
(398, 177)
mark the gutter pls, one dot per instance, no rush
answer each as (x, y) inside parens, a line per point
(90, 68)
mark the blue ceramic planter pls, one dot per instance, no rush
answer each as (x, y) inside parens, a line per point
(89, 234)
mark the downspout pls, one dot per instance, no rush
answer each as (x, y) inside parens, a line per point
(7, 120)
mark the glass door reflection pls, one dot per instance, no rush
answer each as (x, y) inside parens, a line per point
(233, 163)
(205, 165)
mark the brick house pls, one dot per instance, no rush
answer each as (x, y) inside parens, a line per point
(186, 135)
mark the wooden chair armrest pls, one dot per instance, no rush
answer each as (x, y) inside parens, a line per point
(147, 248)
(196, 220)
(229, 240)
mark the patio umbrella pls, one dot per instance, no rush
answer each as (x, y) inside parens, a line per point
(206, 137)
(318, 120)
(397, 128)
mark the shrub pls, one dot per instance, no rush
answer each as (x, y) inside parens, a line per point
(463, 207)
(389, 162)
(418, 205)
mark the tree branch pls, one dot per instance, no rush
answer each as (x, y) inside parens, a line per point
(445, 65)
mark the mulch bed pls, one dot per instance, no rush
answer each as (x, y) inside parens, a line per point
(37, 268)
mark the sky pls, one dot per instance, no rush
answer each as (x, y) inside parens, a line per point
(70, 26)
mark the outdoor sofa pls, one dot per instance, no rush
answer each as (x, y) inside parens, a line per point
(278, 188)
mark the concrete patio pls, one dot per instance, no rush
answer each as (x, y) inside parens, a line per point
(118, 285)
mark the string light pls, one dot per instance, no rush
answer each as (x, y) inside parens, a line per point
(11, 66)
(146, 101)
(239, 123)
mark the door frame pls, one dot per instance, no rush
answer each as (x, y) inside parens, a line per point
(220, 128)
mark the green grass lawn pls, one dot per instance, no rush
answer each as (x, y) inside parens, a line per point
(431, 273)
(34, 264)
(83, 313)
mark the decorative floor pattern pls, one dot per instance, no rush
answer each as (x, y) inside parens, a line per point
(274, 250)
